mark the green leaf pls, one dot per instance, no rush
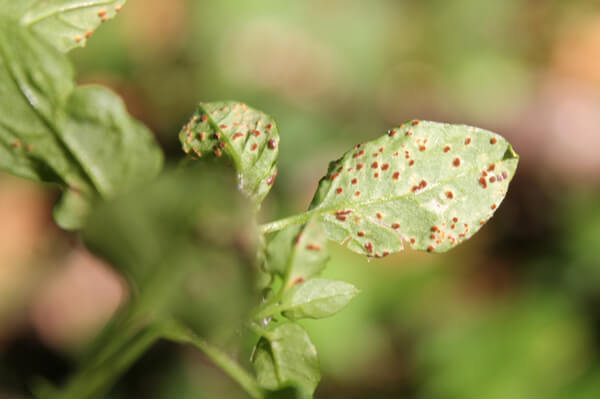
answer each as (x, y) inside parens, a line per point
(116, 151)
(248, 137)
(81, 139)
(297, 253)
(287, 357)
(429, 184)
(317, 298)
(64, 23)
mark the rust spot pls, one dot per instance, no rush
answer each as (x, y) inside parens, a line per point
(376, 175)
(505, 175)
(204, 118)
(386, 253)
(361, 233)
(375, 165)
(379, 215)
(102, 13)
(483, 182)
(395, 225)
(272, 144)
(254, 147)
(491, 167)
(78, 39)
(385, 167)
(341, 217)
(298, 281)
(422, 148)
(354, 181)
(369, 247)
(446, 149)
(391, 132)
(493, 141)
(449, 195)
(217, 153)
(339, 190)
(412, 240)
(360, 166)
(357, 193)
(430, 248)
(435, 229)
(468, 141)
(411, 163)
(396, 176)
(455, 219)
(381, 149)
(89, 34)
(256, 132)
(492, 179)
(409, 133)
(313, 247)
(493, 207)
(432, 236)
(117, 8)
(456, 162)
(415, 123)
(237, 135)
(271, 179)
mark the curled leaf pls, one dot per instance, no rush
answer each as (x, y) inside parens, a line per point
(249, 138)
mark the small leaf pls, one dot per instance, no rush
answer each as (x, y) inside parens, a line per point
(297, 253)
(429, 184)
(248, 137)
(317, 298)
(64, 23)
(81, 139)
(287, 357)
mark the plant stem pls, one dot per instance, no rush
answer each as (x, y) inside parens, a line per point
(181, 334)
(285, 222)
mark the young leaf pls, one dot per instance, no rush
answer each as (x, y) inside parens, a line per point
(81, 139)
(287, 357)
(317, 298)
(248, 137)
(64, 23)
(297, 253)
(430, 184)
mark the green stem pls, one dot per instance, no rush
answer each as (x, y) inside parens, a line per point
(97, 377)
(181, 334)
(285, 222)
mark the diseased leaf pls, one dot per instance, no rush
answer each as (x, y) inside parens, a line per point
(297, 253)
(429, 184)
(317, 298)
(287, 358)
(248, 137)
(81, 139)
(64, 23)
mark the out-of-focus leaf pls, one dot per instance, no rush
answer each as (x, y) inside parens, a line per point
(430, 184)
(298, 253)
(247, 136)
(81, 139)
(175, 242)
(64, 23)
(287, 357)
(317, 298)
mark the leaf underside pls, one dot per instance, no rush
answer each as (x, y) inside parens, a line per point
(429, 184)
(64, 23)
(249, 138)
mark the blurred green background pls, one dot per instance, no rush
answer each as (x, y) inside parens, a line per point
(513, 312)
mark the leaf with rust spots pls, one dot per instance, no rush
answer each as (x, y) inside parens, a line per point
(81, 139)
(248, 137)
(66, 24)
(441, 183)
(297, 253)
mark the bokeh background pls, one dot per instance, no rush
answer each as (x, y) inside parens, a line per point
(513, 312)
